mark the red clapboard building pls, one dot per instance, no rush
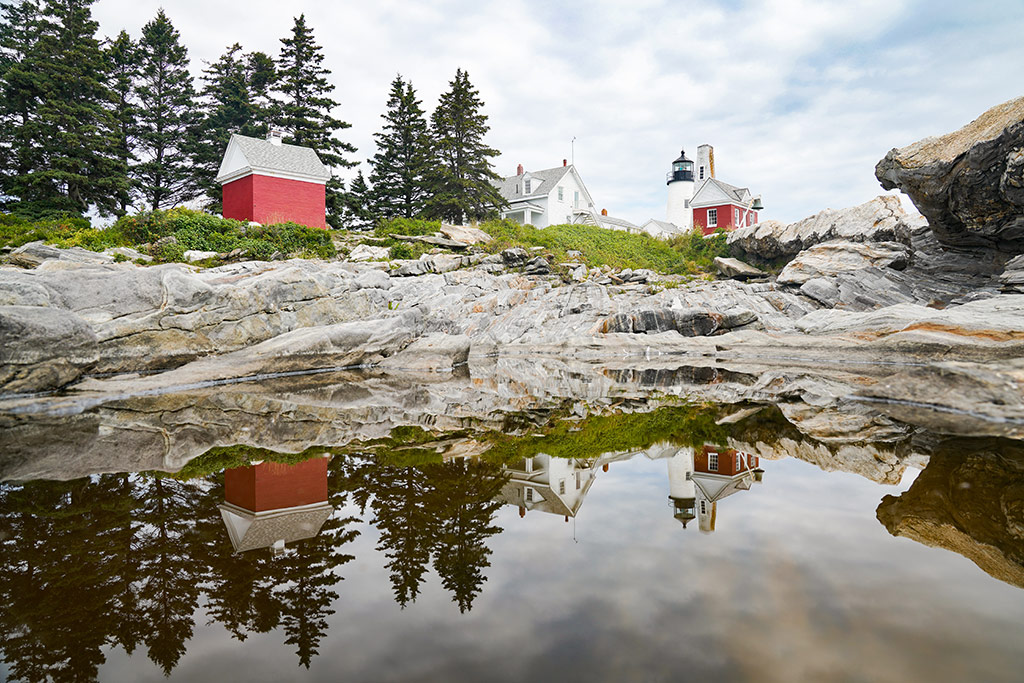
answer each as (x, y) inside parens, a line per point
(720, 205)
(267, 181)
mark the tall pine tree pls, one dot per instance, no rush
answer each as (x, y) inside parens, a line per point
(462, 176)
(72, 164)
(20, 93)
(400, 166)
(354, 206)
(166, 101)
(235, 99)
(122, 63)
(305, 106)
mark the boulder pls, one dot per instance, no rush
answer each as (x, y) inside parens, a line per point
(365, 252)
(431, 353)
(464, 234)
(193, 255)
(689, 322)
(736, 269)
(35, 253)
(969, 184)
(882, 219)
(839, 256)
(43, 348)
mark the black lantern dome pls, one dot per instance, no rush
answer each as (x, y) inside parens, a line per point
(682, 169)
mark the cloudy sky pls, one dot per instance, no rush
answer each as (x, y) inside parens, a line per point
(800, 98)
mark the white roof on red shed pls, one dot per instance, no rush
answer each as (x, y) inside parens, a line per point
(715, 193)
(245, 156)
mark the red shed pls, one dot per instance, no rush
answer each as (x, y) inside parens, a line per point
(721, 205)
(268, 181)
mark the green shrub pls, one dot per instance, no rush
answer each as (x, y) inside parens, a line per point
(401, 250)
(406, 226)
(16, 231)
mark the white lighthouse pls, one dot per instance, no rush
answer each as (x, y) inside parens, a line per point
(680, 191)
(682, 491)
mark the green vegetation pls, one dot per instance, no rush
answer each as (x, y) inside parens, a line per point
(600, 247)
(225, 457)
(191, 230)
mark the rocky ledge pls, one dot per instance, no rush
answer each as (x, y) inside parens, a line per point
(876, 314)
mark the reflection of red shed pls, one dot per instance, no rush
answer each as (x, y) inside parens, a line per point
(270, 504)
(268, 181)
(726, 461)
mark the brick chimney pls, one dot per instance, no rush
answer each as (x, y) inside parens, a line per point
(565, 162)
(604, 212)
(519, 169)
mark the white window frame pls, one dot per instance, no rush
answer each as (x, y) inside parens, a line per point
(576, 199)
(560, 197)
(526, 186)
(712, 218)
(528, 495)
(561, 487)
(735, 216)
(713, 462)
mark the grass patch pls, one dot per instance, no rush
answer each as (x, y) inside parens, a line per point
(684, 255)
(191, 229)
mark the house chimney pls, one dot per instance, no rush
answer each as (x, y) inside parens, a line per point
(275, 136)
(565, 162)
(604, 212)
(604, 468)
(519, 169)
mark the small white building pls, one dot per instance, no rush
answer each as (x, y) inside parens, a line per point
(543, 198)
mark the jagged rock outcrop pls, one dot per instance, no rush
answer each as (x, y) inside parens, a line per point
(970, 500)
(841, 256)
(968, 184)
(43, 348)
(882, 219)
(736, 269)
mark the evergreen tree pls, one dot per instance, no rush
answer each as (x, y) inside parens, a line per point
(354, 205)
(400, 166)
(72, 164)
(20, 92)
(122, 63)
(235, 99)
(462, 177)
(166, 101)
(305, 106)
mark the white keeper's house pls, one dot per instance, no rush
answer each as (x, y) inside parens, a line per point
(554, 196)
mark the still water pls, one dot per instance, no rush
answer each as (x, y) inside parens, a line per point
(654, 546)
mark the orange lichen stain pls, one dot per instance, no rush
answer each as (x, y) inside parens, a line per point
(478, 308)
(991, 335)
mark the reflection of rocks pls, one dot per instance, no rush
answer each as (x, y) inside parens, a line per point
(969, 499)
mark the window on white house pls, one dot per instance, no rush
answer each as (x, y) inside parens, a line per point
(560, 194)
(578, 481)
(517, 188)
(526, 185)
(713, 462)
(712, 218)
(689, 476)
(529, 495)
(561, 486)
(576, 199)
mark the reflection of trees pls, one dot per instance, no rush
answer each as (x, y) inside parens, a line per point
(124, 559)
(55, 621)
(439, 509)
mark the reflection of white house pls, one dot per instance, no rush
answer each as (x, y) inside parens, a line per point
(546, 484)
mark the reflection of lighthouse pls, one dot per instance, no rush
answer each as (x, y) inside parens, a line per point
(682, 491)
(270, 504)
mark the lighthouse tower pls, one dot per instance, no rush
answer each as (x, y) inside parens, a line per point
(682, 491)
(680, 191)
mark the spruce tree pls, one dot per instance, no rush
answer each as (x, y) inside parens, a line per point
(400, 166)
(462, 176)
(354, 206)
(166, 101)
(305, 106)
(72, 163)
(235, 99)
(20, 92)
(122, 64)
